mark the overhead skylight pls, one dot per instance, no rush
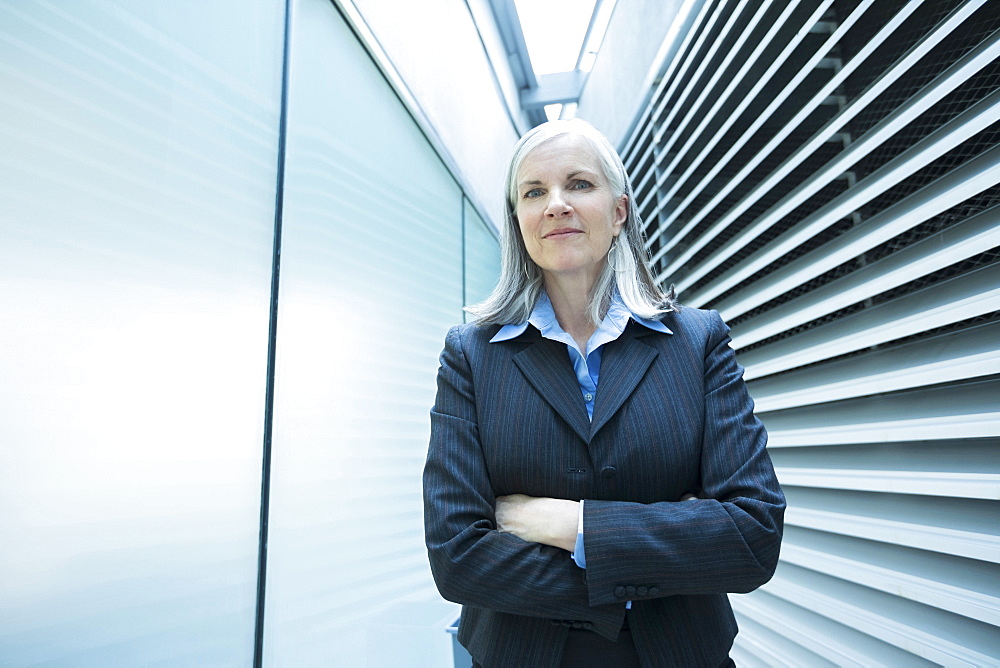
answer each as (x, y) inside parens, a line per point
(562, 36)
(554, 31)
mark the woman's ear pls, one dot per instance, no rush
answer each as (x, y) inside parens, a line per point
(621, 212)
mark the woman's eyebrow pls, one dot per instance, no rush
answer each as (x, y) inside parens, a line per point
(571, 175)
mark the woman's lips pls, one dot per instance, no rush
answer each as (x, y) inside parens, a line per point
(561, 233)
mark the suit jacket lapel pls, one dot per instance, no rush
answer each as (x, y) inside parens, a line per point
(623, 365)
(547, 367)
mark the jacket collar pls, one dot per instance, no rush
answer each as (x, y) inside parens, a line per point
(547, 367)
(543, 318)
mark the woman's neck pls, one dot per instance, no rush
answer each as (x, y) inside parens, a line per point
(571, 304)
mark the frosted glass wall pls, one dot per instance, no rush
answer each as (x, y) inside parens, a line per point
(138, 171)
(137, 175)
(371, 278)
(482, 260)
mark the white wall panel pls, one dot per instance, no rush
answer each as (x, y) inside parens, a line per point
(825, 175)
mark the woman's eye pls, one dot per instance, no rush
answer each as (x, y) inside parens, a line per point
(534, 192)
(582, 185)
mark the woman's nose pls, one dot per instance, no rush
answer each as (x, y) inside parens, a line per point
(557, 205)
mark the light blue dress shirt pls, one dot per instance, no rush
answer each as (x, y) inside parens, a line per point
(586, 365)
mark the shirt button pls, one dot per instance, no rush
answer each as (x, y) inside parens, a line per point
(588, 397)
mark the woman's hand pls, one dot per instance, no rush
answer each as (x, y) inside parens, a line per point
(539, 519)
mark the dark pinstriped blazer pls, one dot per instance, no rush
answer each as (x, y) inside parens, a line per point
(671, 416)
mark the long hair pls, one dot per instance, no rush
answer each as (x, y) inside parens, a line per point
(626, 268)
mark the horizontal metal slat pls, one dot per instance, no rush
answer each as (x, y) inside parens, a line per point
(962, 355)
(916, 415)
(765, 648)
(736, 83)
(808, 108)
(968, 124)
(973, 537)
(917, 575)
(976, 176)
(950, 400)
(980, 425)
(704, 87)
(933, 634)
(671, 102)
(970, 237)
(931, 483)
(944, 84)
(838, 644)
(693, 190)
(818, 99)
(961, 298)
(676, 55)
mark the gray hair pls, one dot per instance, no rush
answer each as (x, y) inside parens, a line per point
(627, 267)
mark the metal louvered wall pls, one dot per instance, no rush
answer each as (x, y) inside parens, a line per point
(826, 174)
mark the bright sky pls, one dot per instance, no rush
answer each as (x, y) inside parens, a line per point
(554, 31)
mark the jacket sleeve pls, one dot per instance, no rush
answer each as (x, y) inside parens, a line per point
(472, 562)
(726, 541)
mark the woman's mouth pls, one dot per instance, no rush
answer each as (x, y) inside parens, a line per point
(561, 233)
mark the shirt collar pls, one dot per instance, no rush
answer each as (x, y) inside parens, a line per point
(543, 318)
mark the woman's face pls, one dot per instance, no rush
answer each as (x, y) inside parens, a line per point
(565, 209)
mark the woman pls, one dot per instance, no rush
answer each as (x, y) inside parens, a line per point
(596, 481)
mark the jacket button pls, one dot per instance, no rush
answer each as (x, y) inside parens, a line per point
(653, 591)
(642, 591)
(588, 626)
(630, 590)
(619, 591)
(577, 625)
(609, 472)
